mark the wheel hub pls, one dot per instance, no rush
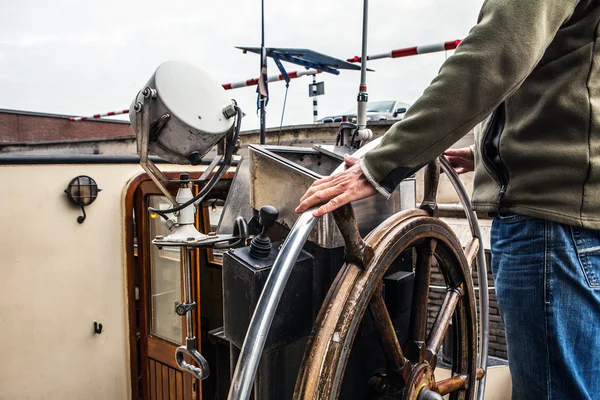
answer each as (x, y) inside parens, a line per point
(421, 379)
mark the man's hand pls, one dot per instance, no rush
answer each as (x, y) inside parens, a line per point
(461, 160)
(337, 190)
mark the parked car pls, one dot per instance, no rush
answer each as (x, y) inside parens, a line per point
(376, 111)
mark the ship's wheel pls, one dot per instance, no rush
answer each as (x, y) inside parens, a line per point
(410, 368)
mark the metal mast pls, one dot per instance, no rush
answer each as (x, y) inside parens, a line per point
(263, 99)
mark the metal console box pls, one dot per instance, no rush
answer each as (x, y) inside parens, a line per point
(280, 176)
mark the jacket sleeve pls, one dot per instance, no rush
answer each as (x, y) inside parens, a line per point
(488, 66)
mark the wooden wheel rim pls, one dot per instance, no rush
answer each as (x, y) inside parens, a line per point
(336, 326)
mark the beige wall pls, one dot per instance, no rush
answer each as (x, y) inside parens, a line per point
(56, 277)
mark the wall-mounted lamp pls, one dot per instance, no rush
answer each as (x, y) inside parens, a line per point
(82, 190)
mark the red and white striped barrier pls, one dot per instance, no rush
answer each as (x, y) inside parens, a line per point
(272, 78)
(408, 51)
(411, 51)
(98, 116)
(226, 86)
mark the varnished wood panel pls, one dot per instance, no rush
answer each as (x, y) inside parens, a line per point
(172, 384)
(159, 381)
(162, 351)
(179, 385)
(151, 370)
(165, 382)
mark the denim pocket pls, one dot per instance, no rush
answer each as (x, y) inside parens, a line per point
(511, 218)
(587, 243)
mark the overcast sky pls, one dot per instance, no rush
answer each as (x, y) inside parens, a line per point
(86, 57)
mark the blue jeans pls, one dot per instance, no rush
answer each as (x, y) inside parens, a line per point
(547, 278)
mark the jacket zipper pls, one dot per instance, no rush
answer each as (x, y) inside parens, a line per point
(490, 151)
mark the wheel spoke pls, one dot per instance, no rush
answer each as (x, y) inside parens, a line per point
(457, 382)
(418, 312)
(471, 252)
(391, 347)
(442, 321)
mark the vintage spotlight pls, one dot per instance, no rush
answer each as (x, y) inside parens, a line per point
(179, 115)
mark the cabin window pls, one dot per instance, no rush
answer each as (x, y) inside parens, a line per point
(165, 285)
(214, 209)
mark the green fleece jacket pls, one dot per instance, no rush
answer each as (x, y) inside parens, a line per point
(534, 66)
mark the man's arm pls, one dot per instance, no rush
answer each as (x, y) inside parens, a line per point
(488, 66)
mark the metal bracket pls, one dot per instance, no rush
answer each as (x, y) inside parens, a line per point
(142, 142)
(183, 308)
(284, 73)
(81, 218)
(210, 168)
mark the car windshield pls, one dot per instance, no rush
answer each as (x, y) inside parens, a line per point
(381, 106)
(376, 106)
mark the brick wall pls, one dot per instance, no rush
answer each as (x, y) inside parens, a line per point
(24, 127)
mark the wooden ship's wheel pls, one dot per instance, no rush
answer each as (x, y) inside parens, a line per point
(411, 365)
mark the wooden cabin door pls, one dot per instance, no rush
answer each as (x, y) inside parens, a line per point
(160, 289)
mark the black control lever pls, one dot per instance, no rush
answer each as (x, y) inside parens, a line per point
(261, 244)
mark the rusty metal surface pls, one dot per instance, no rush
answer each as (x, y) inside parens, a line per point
(337, 323)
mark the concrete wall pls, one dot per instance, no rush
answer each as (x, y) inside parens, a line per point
(57, 277)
